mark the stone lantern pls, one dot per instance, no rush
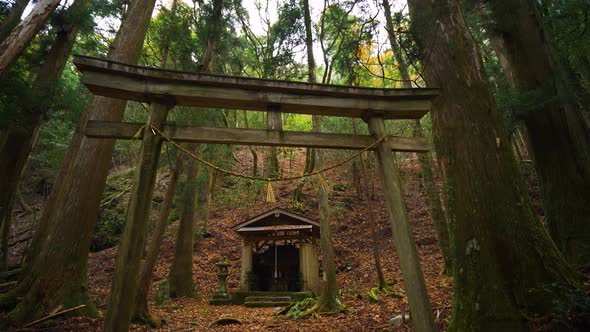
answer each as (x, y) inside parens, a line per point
(221, 295)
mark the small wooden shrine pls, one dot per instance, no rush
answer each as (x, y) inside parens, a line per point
(279, 252)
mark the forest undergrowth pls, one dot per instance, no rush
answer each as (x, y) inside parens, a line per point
(354, 259)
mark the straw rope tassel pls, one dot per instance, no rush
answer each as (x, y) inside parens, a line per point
(139, 132)
(270, 195)
(323, 183)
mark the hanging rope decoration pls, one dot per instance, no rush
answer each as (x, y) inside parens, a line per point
(270, 196)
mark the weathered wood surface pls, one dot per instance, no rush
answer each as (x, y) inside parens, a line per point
(261, 137)
(309, 267)
(246, 265)
(405, 244)
(125, 281)
(145, 84)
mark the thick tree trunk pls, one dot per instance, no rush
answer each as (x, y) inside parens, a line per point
(21, 36)
(329, 300)
(142, 313)
(57, 275)
(504, 258)
(424, 159)
(212, 36)
(181, 272)
(125, 279)
(559, 136)
(13, 18)
(15, 150)
(434, 202)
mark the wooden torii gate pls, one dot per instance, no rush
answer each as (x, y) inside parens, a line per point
(163, 89)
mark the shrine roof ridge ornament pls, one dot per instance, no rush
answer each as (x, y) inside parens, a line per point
(146, 84)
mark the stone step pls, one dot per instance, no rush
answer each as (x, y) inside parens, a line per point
(262, 304)
(268, 299)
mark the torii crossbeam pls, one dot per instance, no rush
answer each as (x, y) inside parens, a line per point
(164, 89)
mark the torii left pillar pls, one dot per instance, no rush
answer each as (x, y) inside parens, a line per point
(125, 279)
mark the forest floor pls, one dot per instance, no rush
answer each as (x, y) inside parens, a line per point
(354, 260)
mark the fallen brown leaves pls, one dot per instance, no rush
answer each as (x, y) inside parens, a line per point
(354, 261)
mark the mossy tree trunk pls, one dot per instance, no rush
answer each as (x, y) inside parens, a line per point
(329, 299)
(425, 159)
(505, 263)
(58, 264)
(181, 272)
(20, 139)
(124, 288)
(559, 136)
(142, 313)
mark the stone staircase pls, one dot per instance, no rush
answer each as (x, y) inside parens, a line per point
(267, 301)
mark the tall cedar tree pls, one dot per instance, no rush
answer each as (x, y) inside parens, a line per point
(309, 154)
(141, 312)
(21, 36)
(329, 300)
(505, 262)
(57, 271)
(425, 159)
(19, 140)
(181, 272)
(13, 18)
(559, 136)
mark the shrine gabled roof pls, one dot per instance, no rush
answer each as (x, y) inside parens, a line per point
(274, 219)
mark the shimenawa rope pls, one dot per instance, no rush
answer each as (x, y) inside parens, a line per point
(270, 197)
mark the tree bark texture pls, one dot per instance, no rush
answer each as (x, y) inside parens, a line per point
(559, 136)
(58, 268)
(21, 36)
(329, 300)
(126, 275)
(20, 139)
(13, 18)
(181, 272)
(424, 159)
(212, 35)
(141, 310)
(504, 257)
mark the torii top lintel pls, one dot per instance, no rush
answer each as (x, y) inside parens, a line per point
(145, 84)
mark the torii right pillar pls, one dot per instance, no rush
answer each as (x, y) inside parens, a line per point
(420, 308)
